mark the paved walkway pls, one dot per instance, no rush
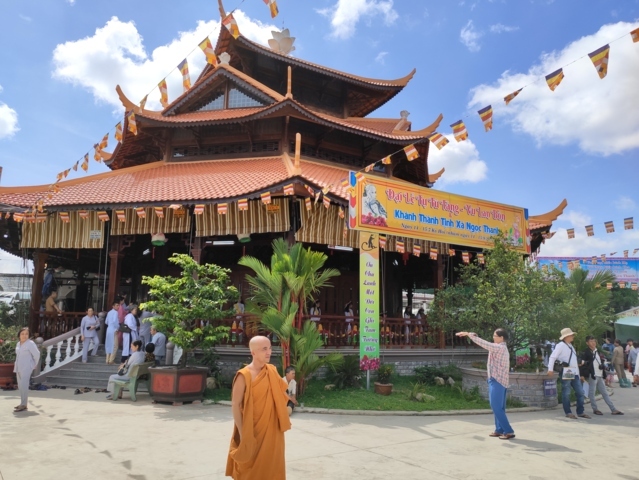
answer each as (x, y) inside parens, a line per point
(84, 436)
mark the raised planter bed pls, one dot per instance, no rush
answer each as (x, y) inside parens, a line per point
(529, 388)
(6, 374)
(177, 385)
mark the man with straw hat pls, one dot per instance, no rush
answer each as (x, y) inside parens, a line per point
(563, 360)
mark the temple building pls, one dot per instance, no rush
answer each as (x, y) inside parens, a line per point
(258, 148)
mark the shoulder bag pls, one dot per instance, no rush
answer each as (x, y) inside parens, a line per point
(559, 366)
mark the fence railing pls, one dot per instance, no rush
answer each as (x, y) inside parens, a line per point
(59, 351)
(52, 324)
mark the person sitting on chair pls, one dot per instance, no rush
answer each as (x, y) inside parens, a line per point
(136, 358)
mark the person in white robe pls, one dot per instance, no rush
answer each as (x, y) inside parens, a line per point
(27, 357)
(111, 341)
(136, 358)
(130, 321)
(89, 334)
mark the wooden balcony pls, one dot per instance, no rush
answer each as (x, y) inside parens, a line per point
(51, 324)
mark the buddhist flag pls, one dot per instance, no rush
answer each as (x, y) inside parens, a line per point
(266, 198)
(451, 252)
(159, 212)
(412, 153)
(59, 176)
(230, 23)
(609, 286)
(103, 216)
(635, 35)
(64, 216)
(359, 176)
(118, 132)
(486, 115)
(18, 217)
(610, 227)
(308, 203)
(242, 204)
(382, 242)
(75, 167)
(164, 93)
(207, 48)
(635, 251)
(628, 223)
(509, 98)
(459, 131)
(327, 201)
(341, 212)
(634, 284)
(133, 127)
(186, 78)
(433, 253)
(121, 214)
(593, 260)
(622, 284)
(141, 212)
(272, 4)
(222, 208)
(96, 154)
(199, 209)
(600, 60)
(554, 79)
(465, 257)
(603, 258)
(368, 168)
(625, 254)
(345, 183)
(387, 160)
(417, 249)
(571, 232)
(310, 190)
(289, 189)
(438, 140)
(612, 254)
(83, 214)
(480, 258)
(399, 246)
(590, 230)
(345, 232)
(143, 102)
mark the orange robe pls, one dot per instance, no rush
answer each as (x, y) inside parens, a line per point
(260, 455)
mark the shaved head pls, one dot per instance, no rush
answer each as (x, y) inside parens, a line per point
(260, 350)
(258, 342)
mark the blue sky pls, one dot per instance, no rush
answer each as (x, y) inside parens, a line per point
(61, 61)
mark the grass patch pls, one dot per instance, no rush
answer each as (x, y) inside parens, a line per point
(218, 394)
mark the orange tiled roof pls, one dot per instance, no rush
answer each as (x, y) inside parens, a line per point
(323, 175)
(203, 116)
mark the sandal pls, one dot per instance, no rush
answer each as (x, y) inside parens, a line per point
(583, 415)
(507, 436)
(571, 415)
(21, 408)
(616, 412)
(495, 434)
(597, 412)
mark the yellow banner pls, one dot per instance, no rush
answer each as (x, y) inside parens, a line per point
(398, 208)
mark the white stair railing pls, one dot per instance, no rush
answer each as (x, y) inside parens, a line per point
(67, 343)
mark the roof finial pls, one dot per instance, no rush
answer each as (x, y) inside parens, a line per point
(289, 92)
(298, 148)
(222, 12)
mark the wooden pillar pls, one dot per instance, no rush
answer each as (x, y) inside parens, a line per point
(39, 262)
(196, 251)
(115, 268)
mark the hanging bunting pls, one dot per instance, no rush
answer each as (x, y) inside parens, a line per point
(75, 167)
(386, 160)
(96, 153)
(164, 93)
(345, 232)
(59, 176)
(609, 286)
(209, 52)
(186, 78)
(571, 232)
(118, 132)
(308, 203)
(486, 115)
(438, 140)
(548, 236)
(327, 202)
(610, 227)
(459, 131)
(83, 214)
(222, 208)
(345, 183)
(382, 242)
(341, 212)
(622, 284)
(272, 4)
(465, 257)
(612, 254)
(141, 212)
(103, 216)
(480, 258)
(198, 209)
(625, 254)
(289, 189)
(635, 251)
(634, 284)
(554, 79)
(451, 252)
(143, 102)
(133, 127)
(368, 168)
(18, 217)
(121, 214)
(230, 23)
(411, 152)
(509, 98)
(65, 217)
(600, 59)
(310, 190)
(433, 253)
(417, 249)
(399, 246)
(590, 230)
(635, 35)
(359, 176)
(242, 204)
(159, 212)
(603, 258)
(593, 260)
(266, 198)
(628, 223)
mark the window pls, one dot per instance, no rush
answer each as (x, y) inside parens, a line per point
(217, 103)
(239, 99)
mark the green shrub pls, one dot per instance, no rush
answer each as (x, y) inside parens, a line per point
(8, 340)
(427, 373)
(346, 373)
(384, 373)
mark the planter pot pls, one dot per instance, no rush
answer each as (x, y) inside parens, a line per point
(6, 374)
(383, 388)
(177, 385)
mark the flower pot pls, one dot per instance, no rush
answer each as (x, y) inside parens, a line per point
(177, 385)
(6, 374)
(383, 388)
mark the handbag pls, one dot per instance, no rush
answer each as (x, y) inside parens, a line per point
(123, 371)
(124, 328)
(559, 366)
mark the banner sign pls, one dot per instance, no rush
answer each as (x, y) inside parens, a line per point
(369, 295)
(624, 269)
(398, 208)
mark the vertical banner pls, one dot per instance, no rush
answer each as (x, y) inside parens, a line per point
(369, 291)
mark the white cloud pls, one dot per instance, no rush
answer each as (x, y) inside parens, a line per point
(470, 36)
(595, 114)
(380, 57)
(625, 203)
(500, 28)
(8, 120)
(576, 219)
(345, 14)
(71, 2)
(115, 55)
(461, 161)
(25, 18)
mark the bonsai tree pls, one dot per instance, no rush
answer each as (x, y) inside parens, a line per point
(189, 305)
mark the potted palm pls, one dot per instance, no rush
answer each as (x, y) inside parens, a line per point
(187, 309)
(8, 339)
(383, 385)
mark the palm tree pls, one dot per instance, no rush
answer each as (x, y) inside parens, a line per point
(596, 298)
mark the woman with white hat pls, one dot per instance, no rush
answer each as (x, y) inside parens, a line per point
(565, 356)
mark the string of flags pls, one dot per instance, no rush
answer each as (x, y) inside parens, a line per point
(609, 226)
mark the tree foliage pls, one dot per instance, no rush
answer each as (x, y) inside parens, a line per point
(622, 299)
(188, 305)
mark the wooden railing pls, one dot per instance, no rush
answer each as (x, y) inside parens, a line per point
(52, 324)
(338, 333)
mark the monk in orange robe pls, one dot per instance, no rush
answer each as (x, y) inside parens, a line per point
(259, 412)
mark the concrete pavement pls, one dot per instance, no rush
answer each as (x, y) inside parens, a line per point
(84, 436)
